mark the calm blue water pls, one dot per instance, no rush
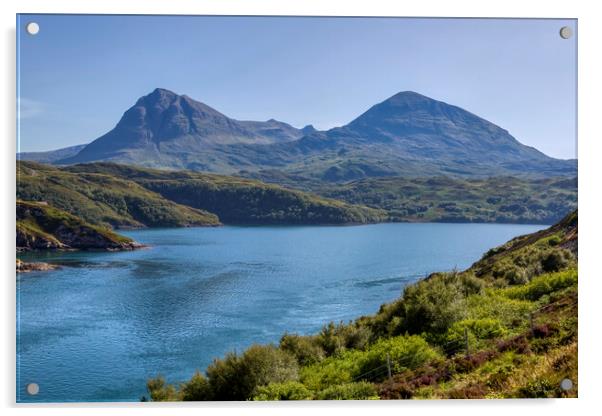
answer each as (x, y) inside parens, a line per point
(96, 329)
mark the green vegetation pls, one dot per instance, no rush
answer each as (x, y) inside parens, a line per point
(40, 226)
(479, 333)
(447, 199)
(125, 196)
(103, 199)
(237, 200)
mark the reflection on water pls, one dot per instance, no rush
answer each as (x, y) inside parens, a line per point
(97, 328)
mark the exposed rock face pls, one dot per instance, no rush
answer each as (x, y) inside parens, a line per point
(28, 241)
(41, 227)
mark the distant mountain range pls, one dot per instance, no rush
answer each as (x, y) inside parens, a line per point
(406, 135)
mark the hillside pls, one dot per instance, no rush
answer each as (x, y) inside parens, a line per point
(236, 200)
(447, 199)
(52, 155)
(42, 227)
(125, 196)
(104, 200)
(407, 134)
(506, 327)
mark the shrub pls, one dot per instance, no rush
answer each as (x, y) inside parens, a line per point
(471, 284)
(160, 391)
(540, 388)
(543, 285)
(236, 377)
(556, 260)
(434, 304)
(478, 329)
(356, 336)
(472, 391)
(498, 378)
(305, 349)
(331, 371)
(518, 344)
(508, 311)
(516, 275)
(196, 389)
(405, 352)
(465, 364)
(396, 390)
(350, 391)
(330, 339)
(290, 390)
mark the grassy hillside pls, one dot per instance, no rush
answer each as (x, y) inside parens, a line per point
(506, 327)
(499, 199)
(40, 226)
(236, 200)
(103, 199)
(127, 196)
(447, 199)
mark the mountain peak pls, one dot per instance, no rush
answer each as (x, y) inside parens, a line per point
(408, 107)
(425, 126)
(408, 95)
(407, 99)
(158, 95)
(159, 90)
(309, 129)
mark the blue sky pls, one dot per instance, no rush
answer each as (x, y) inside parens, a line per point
(80, 73)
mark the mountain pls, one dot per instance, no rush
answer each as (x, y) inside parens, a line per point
(123, 196)
(421, 127)
(40, 226)
(164, 129)
(408, 134)
(413, 135)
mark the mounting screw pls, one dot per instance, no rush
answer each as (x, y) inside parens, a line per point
(32, 28)
(566, 32)
(33, 389)
(566, 384)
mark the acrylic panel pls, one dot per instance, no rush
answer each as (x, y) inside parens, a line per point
(295, 208)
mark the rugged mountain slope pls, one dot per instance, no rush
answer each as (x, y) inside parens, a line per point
(40, 226)
(405, 135)
(413, 135)
(165, 129)
(504, 328)
(127, 196)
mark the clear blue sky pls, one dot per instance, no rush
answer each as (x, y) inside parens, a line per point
(80, 73)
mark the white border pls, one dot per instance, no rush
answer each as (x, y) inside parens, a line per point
(590, 160)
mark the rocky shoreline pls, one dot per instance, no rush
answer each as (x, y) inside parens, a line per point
(25, 267)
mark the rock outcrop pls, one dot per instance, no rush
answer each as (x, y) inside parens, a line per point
(42, 227)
